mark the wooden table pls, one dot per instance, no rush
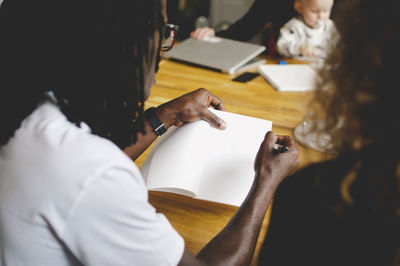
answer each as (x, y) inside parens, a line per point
(199, 221)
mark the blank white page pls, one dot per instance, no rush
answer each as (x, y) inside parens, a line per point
(206, 163)
(173, 163)
(228, 169)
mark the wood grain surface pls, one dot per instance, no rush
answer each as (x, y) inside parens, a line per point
(199, 221)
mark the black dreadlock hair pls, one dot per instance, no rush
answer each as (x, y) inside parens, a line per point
(90, 53)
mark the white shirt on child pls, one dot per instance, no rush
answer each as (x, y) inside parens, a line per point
(295, 32)
(68, 197)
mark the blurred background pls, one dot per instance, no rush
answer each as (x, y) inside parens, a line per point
(218, 14)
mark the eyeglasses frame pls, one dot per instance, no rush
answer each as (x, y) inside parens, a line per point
(174, 31)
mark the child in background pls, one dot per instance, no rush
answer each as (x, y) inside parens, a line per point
(310, 34)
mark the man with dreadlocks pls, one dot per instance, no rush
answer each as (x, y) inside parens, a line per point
(75, 75)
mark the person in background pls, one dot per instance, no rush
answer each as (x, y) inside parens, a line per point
(76, 75)
(257, 17)
(311, 33)
(261, 14)
(185, 13)
(346, 211)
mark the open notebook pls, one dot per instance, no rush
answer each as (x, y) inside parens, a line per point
(200, 161)
(216, 53)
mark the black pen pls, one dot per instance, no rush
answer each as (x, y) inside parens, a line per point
(281, 149)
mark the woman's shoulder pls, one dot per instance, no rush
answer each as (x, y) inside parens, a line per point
(316, 187)
(309, 214)
(318, 176)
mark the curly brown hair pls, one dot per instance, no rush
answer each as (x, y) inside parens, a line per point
(357, 90)
(358, 81)
(346, 211)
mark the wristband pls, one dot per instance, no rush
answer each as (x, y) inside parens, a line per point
(158, 127)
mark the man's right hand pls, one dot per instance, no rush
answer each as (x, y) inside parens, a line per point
(274, 166)
(201, 33)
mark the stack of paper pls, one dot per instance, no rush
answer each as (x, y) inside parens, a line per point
(292, 77)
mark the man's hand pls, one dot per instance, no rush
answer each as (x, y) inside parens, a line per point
(191, 107)
(273, 164)
(201, 33)
(187, 108)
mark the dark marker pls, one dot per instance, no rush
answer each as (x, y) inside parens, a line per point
(281, 149)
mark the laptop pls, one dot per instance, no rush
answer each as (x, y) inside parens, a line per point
(216, 53)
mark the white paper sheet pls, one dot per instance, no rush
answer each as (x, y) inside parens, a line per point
(206, 163)
(292, 77)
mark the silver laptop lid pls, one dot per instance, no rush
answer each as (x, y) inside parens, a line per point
(217, 53)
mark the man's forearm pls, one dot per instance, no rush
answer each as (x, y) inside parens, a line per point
(237, 241)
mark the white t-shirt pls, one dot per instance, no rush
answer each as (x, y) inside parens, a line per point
(295, 33)
(68, 197)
